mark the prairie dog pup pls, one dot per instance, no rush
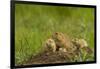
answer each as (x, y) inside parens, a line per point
(80, 43)
(62, 41)
(50, 44)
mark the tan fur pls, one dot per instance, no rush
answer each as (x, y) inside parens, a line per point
(50, 44)
(62, 41)
(80, 43)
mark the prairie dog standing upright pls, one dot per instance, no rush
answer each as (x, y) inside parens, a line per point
(62, 41)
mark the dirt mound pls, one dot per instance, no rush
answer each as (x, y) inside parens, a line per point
(48, 58)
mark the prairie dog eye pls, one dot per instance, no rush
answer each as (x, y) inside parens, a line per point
(56, 33)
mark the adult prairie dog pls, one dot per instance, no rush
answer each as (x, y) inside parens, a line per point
(62, 41)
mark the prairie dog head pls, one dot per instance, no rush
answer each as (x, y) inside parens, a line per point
(58, 36)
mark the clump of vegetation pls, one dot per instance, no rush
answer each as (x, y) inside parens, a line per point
(35, 23)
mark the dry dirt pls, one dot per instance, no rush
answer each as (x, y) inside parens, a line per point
(48, 58)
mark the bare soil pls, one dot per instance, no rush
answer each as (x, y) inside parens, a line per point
(48, 58)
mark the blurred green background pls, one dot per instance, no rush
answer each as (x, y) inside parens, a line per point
(35, 23)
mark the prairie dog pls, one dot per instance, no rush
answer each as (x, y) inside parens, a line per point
(62, 41)
(50, 44)
(80, 42)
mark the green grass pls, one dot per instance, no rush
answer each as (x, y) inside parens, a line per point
(35, 23)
